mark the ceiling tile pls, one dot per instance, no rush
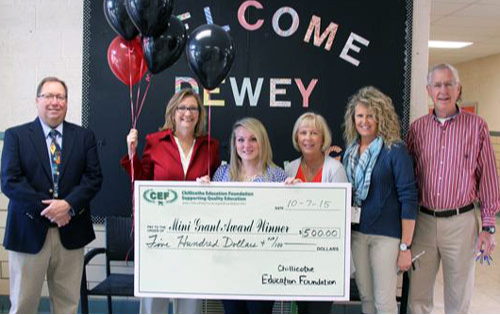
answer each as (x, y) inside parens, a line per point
(477, 22)
(481, 11)
(438, 8)
(455, 1)
(491, 2)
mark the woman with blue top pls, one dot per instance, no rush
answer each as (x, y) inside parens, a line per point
(380, 170)
(250, 161)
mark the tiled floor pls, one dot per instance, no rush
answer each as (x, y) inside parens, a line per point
(486, 296)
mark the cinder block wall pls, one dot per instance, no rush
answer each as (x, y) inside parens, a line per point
(39, 38)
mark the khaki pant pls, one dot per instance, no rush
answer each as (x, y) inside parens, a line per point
(375, 258)
(452, 242)
(160, 306)
(64, 274)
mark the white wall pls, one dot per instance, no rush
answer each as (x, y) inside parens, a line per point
(420, 58)
(480, 80)
(39, 38)
(44, 37)
(481, 83)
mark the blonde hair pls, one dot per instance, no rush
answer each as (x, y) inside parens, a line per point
(172, 105)
(255, 127)
(389, 127)
(318, 122)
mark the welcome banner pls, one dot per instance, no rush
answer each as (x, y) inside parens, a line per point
(292, 56)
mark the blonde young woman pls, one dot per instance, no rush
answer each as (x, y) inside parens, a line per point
(380, 170)
(251, 160)
(251, 157)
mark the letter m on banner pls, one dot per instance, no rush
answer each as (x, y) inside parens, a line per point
(330, 32)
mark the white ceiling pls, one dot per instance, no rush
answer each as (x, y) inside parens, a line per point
(476, 21)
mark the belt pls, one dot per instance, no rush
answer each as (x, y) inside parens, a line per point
(447, 213)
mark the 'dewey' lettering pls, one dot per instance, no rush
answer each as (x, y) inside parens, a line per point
(277, 89)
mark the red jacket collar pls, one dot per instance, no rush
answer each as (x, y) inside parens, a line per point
(168, 134)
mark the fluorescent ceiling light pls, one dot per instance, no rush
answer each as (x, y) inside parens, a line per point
(448, 44)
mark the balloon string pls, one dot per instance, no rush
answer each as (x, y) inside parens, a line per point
(130, 84)
(209, 137)
(132, 180)
(148, 79)
(136, 117)
(132, 171)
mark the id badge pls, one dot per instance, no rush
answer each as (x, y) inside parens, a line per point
(355, 214)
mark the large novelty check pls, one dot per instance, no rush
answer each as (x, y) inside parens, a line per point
(242, 240)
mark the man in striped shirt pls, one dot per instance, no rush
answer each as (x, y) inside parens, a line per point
(455, 167)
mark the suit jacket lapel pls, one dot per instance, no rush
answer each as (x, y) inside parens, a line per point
(40, 144)
(67, 145)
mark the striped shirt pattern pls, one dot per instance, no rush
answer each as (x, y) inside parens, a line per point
(455, 164)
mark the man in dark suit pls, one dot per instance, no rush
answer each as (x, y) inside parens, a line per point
(50, 172)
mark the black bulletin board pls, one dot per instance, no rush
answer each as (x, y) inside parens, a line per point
(263, 54)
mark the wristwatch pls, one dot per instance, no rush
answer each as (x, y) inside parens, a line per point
(490, 229)
(404, 247)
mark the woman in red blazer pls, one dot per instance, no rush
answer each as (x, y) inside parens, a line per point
(179, 151)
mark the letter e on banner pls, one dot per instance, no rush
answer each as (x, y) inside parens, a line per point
(275, 91)
(350, 46)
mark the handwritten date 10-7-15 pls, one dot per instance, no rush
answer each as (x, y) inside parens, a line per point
(308, 204)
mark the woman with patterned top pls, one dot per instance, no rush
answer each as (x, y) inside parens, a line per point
(250, 161)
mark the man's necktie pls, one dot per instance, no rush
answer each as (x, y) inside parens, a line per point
(55, 159)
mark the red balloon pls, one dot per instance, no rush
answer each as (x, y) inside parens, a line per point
(125, 58)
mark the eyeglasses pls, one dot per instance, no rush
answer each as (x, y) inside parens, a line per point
(48, 97)
(448, 85)
(183, 109)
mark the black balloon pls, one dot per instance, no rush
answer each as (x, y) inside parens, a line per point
(210, 54)
(150, 16)
(117, 17)
(162, 51)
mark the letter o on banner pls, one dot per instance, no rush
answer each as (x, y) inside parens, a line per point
(295, 21)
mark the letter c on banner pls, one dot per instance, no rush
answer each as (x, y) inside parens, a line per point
(241, 15)
(295, 21)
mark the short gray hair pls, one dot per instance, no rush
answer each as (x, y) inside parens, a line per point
(443, 66)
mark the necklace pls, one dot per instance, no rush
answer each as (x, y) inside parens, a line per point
(247, 178)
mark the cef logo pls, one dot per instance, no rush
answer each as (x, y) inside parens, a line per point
(160, 197)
